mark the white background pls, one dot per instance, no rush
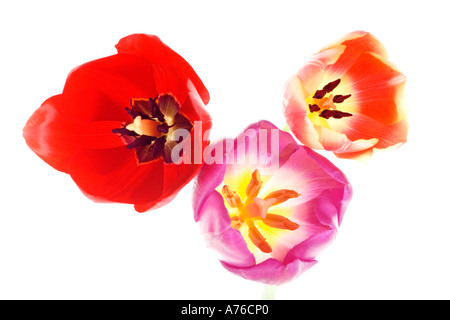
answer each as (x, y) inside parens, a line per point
(56, 244)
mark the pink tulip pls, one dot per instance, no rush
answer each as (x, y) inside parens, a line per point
(267, 205)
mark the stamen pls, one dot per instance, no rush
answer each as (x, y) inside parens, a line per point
(231, 197)
(279, 222)
(340, 98)
(326, 114)
(341, 114)
(314, 108)
(124, 132)
(254, 185)
(319, 94)
(236, 222)
(336, 114)
(281, 196)
(163, 128)
(141, 141)
(257, 238)
(332, 85)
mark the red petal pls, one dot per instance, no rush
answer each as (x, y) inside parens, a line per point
(154, 50)
(177, 176)
(194, 109)
(114, 175)
(55, 139)
(102, 89)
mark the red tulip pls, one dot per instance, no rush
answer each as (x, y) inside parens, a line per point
(113, 126)
(348, 99)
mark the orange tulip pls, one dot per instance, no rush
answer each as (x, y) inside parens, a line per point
(348, 99)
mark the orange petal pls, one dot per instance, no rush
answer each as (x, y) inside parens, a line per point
(378, 89)
(356, 44)
(363, 156)
(363, 127)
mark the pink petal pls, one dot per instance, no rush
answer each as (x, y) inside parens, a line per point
(325, 193)
(310, 177)
(209, 177)
(272, 271)
(228, 242)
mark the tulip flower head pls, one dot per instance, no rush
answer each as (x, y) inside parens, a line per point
(348, 99)
(113, 128)
(268, 223)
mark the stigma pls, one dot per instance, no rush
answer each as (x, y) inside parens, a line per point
(326, 105)
(145, 127)
(254, 208)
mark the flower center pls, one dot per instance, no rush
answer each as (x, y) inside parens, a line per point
(255, 208)
(150, 132)
(326, 104)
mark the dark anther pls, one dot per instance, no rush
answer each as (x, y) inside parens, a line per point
(340, 98)
(124, 131)
(132, 113)
(319, 94)
(163, 128)
(327, 114)
(336, 114)
(340, 114)
(332, 85)
(314, 108)
(141, 141)
(155, 111)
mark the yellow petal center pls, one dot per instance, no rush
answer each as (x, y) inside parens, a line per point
(255, 208)
(322, 105)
